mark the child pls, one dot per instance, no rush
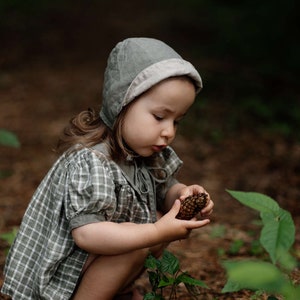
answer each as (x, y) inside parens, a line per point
(112, 197)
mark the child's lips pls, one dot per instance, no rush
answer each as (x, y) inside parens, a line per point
(158, 148)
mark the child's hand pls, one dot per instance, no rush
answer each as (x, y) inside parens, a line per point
(171, 228)
(193, 190)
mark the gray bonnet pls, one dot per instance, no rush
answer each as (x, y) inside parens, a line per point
(133, 67)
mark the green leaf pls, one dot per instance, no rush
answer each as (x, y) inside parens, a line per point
(153, 279)
(152, 296)
(297, 292)
(236, 246)
(278, 233)
(255, 275)
(149, 296)
(9, 237)
(187, 279)
(287, 261)
(257, 201)
(166, 281)
(169, 263)
(231, 286)
(7, 138)
(151, 262)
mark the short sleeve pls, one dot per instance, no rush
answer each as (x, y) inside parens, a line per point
(89, 191)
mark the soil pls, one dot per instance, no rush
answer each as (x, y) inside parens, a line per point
(38, 100)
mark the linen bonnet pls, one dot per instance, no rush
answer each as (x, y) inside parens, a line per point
(133, 67)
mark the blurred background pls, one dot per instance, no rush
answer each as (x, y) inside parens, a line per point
(242, 134)
(53, 54)
(244, 131)
(246, 51)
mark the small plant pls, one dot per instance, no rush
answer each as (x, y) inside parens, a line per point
(9, 237)
(165, 272)
(256, 248)
(277, 237)
(236, 246)
(217, 231)
(9, 139)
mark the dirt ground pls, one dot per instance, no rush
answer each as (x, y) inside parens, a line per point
(37, 101)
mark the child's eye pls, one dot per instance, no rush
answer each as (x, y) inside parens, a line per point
(158, 118)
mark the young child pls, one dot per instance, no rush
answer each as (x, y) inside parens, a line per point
(112, 197)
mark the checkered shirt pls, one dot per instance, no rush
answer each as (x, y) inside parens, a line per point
(82, 187)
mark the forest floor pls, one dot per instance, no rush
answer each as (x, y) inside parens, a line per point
(37, 101)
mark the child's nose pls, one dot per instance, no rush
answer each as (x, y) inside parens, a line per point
(169, 131)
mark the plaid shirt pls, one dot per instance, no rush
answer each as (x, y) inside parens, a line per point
(82, 187)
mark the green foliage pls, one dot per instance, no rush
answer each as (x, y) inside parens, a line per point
(277, 237)
(256, 248)
(257, 275)
(7, 138)
(278, 232)
(217, 231)
(9, 237)
(275, 118)
(235, 246)
(165, 272)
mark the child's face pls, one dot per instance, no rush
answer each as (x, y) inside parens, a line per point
(151, 121)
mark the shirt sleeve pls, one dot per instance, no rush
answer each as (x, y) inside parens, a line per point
(89, 190)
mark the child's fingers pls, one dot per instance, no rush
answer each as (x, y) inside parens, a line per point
(188, 224)
(207, 210)
(194, 223)
(175, 208)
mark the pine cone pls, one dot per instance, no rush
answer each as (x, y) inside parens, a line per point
(191, 206)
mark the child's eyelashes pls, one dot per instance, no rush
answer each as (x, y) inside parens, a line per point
(158, 118)
(161, 118)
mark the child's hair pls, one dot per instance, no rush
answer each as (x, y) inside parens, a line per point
(87, 130)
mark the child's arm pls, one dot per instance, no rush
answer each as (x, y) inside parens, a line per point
(108, 238)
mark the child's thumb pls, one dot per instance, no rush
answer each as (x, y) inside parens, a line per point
(176, 207)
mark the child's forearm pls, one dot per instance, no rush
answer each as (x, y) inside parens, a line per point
(108, 238)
